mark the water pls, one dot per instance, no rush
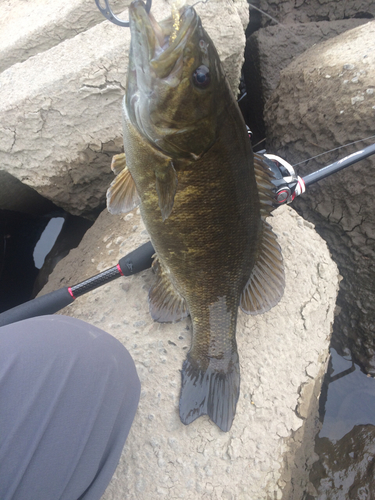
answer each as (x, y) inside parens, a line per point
(350, 399)
(346, 442)
(47, 240)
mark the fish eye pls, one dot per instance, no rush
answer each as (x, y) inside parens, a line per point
(201, 77)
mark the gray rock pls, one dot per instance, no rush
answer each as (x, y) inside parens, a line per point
(283, 356)
(291, 11)
(60, 110)
(270, 50)
(326, 99)
(25, 31)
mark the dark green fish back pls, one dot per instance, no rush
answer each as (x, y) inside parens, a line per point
(206, 218)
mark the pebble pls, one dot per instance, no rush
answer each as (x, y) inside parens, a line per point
(357, 98)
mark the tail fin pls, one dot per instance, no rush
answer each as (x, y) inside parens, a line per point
(213, 392)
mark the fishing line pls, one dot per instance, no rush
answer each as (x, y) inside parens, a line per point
(282, 25)
(334, 149)
(200, 1)
(260, 142)
(298, 38)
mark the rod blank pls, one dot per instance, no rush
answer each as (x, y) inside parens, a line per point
(339, 165)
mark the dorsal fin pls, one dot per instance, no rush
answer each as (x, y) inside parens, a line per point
(263, 176)
(122, 194)
(265, 286)
(165, 303)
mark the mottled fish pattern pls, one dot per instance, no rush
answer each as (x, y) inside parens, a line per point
(204, 198)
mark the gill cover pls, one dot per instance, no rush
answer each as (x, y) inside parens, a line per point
(174, 84)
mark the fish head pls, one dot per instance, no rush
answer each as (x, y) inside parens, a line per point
(175, 82)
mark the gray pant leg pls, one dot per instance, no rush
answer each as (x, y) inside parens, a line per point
(68, 395)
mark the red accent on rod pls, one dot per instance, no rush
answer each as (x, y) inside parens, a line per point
(119, 270)
(71, 293)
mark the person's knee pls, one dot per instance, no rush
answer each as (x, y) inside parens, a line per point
(69, 393)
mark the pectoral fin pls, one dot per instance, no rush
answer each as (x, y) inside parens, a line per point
(166, 304)
(122, 194)
(265, 286)
(166, 185)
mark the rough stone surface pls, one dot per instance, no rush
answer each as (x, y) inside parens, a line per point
(291, 11)
(282, 354)
(26, 31)
(60, 110)
(271, 49)
(325, 99)
(346, 468)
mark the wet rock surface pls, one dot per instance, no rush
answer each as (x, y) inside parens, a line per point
(283, 356)
(347, 467)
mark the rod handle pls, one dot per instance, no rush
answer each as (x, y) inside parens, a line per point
(46, 304)
(138, 260)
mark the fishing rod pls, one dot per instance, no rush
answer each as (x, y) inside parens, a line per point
(287, 187)
(134, 262)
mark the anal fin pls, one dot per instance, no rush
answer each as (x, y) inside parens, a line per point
(266, 284)
(210, 391)
(122, 194)
(165, 303)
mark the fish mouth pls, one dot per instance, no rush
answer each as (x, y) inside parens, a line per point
(158, 47)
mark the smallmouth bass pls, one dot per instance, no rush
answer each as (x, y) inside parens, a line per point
(203, 197)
